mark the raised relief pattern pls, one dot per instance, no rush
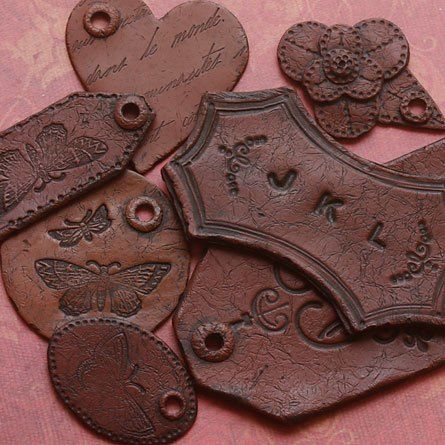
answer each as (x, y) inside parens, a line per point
(327, 206)
(91, 224)
(46, 161)
(269, 311)
(119, 391)
(103, 287)
(237, 158)
(284, 183)
(412, 339)
(419, 260)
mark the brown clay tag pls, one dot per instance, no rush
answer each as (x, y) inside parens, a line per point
(270, 340)
(198, 46)
(121, 381)
(279, 346)
(57, 154)
(357, 76)
(264, 175)
(99, 256)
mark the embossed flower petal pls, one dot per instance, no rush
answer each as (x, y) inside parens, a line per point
(368, 83)
(341, 36)
(319, 87)
(346, 118)
(299, 47)
(385, 43)
(403, 101)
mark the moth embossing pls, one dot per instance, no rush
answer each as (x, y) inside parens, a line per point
(237, 158)
(419, 261)
(100, 285)
(45, 162)
(75, 231)
(119, 390)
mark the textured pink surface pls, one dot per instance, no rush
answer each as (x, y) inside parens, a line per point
(35, 71)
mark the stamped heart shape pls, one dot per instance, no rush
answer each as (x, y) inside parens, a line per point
(120, 46)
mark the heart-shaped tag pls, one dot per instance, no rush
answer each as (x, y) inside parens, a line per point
(119, 45)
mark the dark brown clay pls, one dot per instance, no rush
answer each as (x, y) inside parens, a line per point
(198, 46)
(121, 381)
(258, 172)
(66, 149)
(357, 76)
(100, 257)
(275, 343)
(279, 346)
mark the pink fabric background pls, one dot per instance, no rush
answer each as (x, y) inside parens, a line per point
(35, 71)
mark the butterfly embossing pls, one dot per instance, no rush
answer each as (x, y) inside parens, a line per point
(45, 162)
(85, 229)
(108, 375)
(100, 286)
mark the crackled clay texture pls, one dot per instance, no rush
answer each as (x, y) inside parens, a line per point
(64, 150)
(258, 172)
(97, 257)
(197, 47)
(38, 72)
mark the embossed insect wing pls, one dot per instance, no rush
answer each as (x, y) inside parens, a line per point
(110, 358)
(85, 229)
(46, 161)
(121, 380)
(97, 256)
(106, 287)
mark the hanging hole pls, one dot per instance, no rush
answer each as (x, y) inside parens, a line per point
(143, 214)
(214, 342)
(100, 20)
(172, 405)
(417, 106)
(130, 111)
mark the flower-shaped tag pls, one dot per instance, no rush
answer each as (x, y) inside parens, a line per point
(357, 76)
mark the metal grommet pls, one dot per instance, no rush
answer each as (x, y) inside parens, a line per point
(131, 112)
(213, 342)
(143, 226)
(109, 13)
(409, 115)
(172, 397)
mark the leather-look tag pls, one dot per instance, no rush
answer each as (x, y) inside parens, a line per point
(357, 76)
(121, 381)
(59, 153)
(117, 251)
(279, 345)
(198, 46)
(258, 172)
(270, 340)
